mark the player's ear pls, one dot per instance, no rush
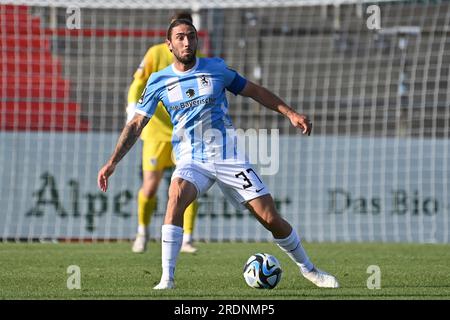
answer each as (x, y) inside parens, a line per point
(169, 45)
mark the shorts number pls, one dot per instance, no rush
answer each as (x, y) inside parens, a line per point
(254, 173)
(246, 179)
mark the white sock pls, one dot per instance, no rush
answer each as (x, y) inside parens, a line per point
(171, 238)
(187, 238)
(293, 248)
(142, 230)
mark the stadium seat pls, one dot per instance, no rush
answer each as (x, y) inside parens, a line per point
(23, 64)
(41, 116)
(18, 43)
(34, 94)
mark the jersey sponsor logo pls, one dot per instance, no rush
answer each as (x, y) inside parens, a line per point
(194, 103)
(190, 93)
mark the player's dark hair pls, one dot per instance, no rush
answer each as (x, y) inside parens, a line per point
(176, 23)
(181, 15)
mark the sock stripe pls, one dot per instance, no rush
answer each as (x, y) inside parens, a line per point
(295, 247)
(297, 254)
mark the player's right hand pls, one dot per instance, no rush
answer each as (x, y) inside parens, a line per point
(103, 175)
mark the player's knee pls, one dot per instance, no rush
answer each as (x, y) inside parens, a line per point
(149, 190)
(150, 187)
(176, 195)
(150, 183)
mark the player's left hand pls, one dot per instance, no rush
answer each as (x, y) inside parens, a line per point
(302, 122)
(103, 175)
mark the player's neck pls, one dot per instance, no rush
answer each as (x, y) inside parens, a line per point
(180, 66)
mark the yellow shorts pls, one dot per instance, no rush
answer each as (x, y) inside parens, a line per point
(157, 156)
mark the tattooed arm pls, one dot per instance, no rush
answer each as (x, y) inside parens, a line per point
(127, 139)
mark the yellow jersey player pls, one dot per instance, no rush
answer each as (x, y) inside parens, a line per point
(157, 147)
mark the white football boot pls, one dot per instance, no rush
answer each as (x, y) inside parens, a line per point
(140, 244)
(321, 278)
(165, 284)
(188, 247)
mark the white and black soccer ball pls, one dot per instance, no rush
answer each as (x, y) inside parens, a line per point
(262, 271)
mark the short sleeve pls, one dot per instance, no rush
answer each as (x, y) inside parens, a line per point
(149, 99)
(234, 82)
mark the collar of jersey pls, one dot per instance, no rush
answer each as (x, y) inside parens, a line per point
(187, 71)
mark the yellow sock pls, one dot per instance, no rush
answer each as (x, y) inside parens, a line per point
(189, 218)
(146, 207)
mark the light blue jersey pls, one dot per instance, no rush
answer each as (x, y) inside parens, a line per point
(197, 104)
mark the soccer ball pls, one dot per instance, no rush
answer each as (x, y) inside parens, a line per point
(262, 271)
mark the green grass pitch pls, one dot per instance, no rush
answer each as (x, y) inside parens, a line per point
(112, 271)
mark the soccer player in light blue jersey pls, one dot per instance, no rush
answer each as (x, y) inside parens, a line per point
(193, 91)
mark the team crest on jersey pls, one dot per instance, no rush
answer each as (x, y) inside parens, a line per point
(205, 84)
(204, 81)
(190, 93)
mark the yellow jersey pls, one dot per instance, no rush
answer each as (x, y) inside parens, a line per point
(157, 58)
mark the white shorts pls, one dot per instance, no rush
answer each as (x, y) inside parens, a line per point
(238, 181)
